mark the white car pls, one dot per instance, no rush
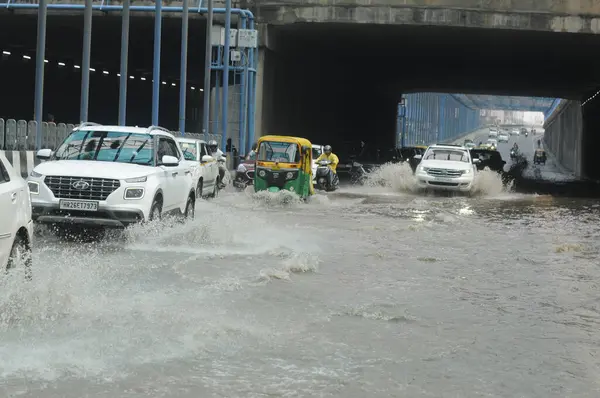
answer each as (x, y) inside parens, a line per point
(515, 132)
(111, 176)
(205, 169)
(446, 167)
(492, 142)
(493, 132)
(16, 226)
(503, 137)
(317, 150)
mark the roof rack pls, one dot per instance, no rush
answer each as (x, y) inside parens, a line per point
(149, 129)
(86, 124)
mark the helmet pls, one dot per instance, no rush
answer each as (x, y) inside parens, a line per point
(212, 145)
(327, 149)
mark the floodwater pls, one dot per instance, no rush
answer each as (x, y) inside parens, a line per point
(367, 292)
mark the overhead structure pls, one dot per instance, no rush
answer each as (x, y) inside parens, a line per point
(506, 103)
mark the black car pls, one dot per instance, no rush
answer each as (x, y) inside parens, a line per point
(487, 158)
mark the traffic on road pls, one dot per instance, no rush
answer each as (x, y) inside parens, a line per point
(425, 275)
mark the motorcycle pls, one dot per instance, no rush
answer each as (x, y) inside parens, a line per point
(358, 174)
(322, 177)
(514, 153)
(244, 176)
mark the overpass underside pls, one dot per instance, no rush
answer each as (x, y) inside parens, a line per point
(327, 81)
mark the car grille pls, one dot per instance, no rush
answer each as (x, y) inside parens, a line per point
(98, 189)
(445, 173)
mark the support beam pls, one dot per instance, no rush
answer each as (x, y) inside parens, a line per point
(124, 62)
(156, 63)
(207, 69)
(85, 63)
(39, 72)
(225, 103)
(183, 77)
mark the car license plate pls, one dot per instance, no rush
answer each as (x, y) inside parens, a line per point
(78, 205)
(442, 179)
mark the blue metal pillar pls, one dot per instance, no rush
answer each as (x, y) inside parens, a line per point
(39, 72)
(183, 62)
(217, 104)
(156, 63)
(124, 62)
(207, 69)
(224, 115)
(243, 95)
(85, 63)
(253, 58)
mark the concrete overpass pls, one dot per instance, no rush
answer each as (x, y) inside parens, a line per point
(328, 69)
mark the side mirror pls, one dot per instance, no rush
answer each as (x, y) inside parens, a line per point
(476, 161)
(170, 161)
(44, 154)
(207, 158)
(418, 156)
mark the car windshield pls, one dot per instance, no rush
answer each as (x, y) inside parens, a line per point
(276, 151)
(190, 150)
(105, 146)
(447, 154)
(316, 152)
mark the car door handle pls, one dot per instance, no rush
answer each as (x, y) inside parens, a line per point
(174, 173)
(13, 196)
(188, 172)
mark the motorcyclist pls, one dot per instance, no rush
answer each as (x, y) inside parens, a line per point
(539, 143)
(515, 147)
(217, 154)
(252, 154)
(333, 159)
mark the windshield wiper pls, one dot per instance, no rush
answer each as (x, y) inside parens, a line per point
(121, 147)
(138, 150)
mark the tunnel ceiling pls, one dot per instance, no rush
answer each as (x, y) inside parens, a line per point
(532, 104)
(515, 63)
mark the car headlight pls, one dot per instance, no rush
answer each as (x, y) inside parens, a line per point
(262, 173)
(34, 174)
(137, 179)
(34, 187)
(134, 193)
(467, 171)
(241, 168)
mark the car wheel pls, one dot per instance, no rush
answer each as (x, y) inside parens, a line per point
(20, 256)
(155, 210)
(190, 208)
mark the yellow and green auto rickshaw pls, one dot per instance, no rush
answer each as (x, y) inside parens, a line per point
(284, 163)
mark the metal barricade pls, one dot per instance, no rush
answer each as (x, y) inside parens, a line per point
(61, 131)
(31, 135)
(1, 134)
(51, 132)
(10, 138)
(21, 135)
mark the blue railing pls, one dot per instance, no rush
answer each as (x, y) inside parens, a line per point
(428, 118)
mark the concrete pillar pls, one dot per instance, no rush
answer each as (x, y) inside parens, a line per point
(259, 124)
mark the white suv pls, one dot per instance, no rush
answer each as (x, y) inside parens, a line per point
(16, 226)
(205, 170)
(446, 167)
(111, 176)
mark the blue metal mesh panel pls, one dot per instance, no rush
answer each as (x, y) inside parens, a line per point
(429, 118)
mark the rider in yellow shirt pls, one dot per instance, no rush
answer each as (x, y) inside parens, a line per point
(328, 155)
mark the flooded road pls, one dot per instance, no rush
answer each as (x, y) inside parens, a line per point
(368, 292)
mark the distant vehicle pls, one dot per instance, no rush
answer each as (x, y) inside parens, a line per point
(16, 226)
(205, 170)
(539, 157)
(317, 150)
(493, 143)
(503, 137)
(469, 144)
(447, 168)
(244, 174)
(493, 132)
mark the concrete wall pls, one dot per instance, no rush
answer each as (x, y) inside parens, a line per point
(536, 15)
(564, 136)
